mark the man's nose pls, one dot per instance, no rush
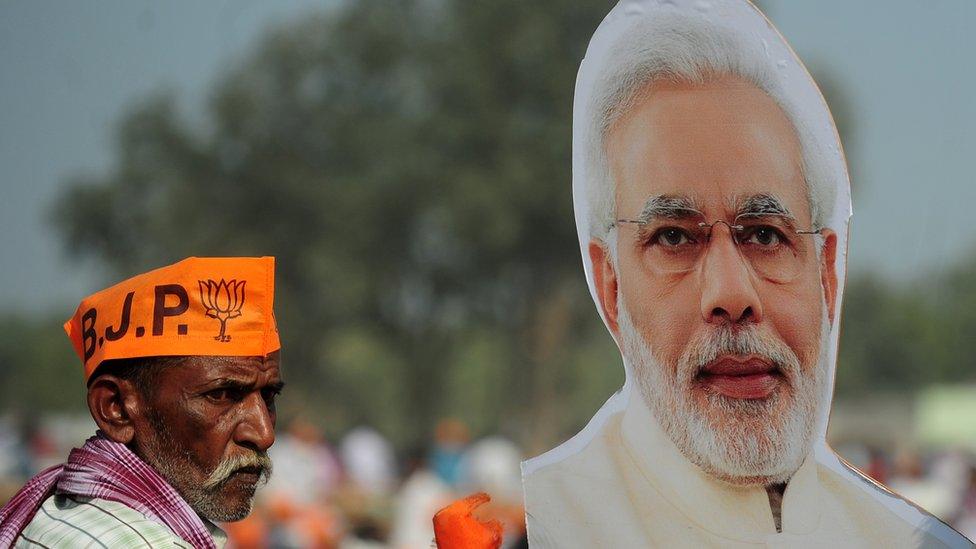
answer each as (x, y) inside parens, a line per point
(256, 428)
(728, 292)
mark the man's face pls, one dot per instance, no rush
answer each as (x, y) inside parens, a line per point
(726, 356)
(207, 426)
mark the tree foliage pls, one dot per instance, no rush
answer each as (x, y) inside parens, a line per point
(900, 337)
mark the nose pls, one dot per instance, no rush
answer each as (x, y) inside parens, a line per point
(728, 291)
(256, 427)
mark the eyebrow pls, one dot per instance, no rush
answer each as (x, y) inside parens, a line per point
(227, 383)
(761, 204)
(669, 206)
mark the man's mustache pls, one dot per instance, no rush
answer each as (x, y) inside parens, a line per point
(725, 340)
(257, 461)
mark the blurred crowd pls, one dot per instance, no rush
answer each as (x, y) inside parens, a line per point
(358, 492)
(943, 481)
(355, 492)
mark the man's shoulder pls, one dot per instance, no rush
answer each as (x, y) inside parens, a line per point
(882, 513)
(66, 521)
(578, 462)
(574, 493)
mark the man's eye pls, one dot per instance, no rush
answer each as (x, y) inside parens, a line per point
(671, 237)
(224, 395)
(269, 397)
(763, 235)
(218, 395)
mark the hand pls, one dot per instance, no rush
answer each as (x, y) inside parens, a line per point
(456, 528)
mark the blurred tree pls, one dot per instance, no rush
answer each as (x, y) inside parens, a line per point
(409, 165)
(33, 358)
(901, 337)
(882, 339)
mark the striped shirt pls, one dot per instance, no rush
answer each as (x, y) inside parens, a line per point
(73, 521)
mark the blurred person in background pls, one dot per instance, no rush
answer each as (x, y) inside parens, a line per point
(877, 465)
(182, 366)
(308, 472)
(422, 493)
(368, 460)
(493, 465)
(965, 519)
(490, 465)
(451, 437)
(712, 199)
(916, 477)
(370, 477)
(294, 509)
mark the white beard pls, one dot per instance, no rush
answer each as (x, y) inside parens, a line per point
(744, 442)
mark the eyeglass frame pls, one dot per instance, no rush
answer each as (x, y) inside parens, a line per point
(717, 221)
(734, 227)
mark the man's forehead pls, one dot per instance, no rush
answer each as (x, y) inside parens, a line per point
(243, 368)
(713, 143)
(713, 196)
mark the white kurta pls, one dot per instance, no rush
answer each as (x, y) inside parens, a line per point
(632, 487)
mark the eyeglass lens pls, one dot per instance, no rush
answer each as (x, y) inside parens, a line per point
(768, 243)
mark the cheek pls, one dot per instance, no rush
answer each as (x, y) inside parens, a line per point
(796, 315)
(665, 312)
(210, 433)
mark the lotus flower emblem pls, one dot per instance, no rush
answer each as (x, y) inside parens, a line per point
(222, 300)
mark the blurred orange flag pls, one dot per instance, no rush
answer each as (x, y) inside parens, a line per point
(455, 527)
(200, 306)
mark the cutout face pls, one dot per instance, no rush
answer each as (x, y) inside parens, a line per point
(712, 208)
(723, 327)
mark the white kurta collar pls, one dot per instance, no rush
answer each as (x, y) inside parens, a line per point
(734, 512)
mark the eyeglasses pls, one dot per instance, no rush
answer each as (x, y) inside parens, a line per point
(769, 243)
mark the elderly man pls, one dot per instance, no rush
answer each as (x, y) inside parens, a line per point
(712, 201)
(182, 367)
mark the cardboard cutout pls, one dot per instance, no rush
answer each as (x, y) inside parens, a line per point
(712, 205)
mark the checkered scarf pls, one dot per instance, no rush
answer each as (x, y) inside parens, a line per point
(107, 470)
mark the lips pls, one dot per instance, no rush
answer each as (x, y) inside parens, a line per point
(742, 377)
(249, 474)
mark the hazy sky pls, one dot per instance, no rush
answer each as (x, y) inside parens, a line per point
(72, 69)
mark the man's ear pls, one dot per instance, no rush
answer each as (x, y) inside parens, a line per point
(828, 271)
(113, 403)
(605, 279)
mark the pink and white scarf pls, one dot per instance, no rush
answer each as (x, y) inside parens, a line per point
(107, 470)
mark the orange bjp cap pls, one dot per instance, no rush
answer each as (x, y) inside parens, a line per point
(210, 306)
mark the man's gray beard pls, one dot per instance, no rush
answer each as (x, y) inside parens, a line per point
(173, 462)
(739, 441)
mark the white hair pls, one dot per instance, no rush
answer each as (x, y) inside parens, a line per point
(738, 441)
(678, 48)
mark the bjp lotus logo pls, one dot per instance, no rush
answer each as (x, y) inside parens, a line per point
(223, 300)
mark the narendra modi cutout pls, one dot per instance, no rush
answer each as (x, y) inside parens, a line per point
(712, 204)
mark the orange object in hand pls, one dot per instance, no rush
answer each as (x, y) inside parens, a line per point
(456, 528)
